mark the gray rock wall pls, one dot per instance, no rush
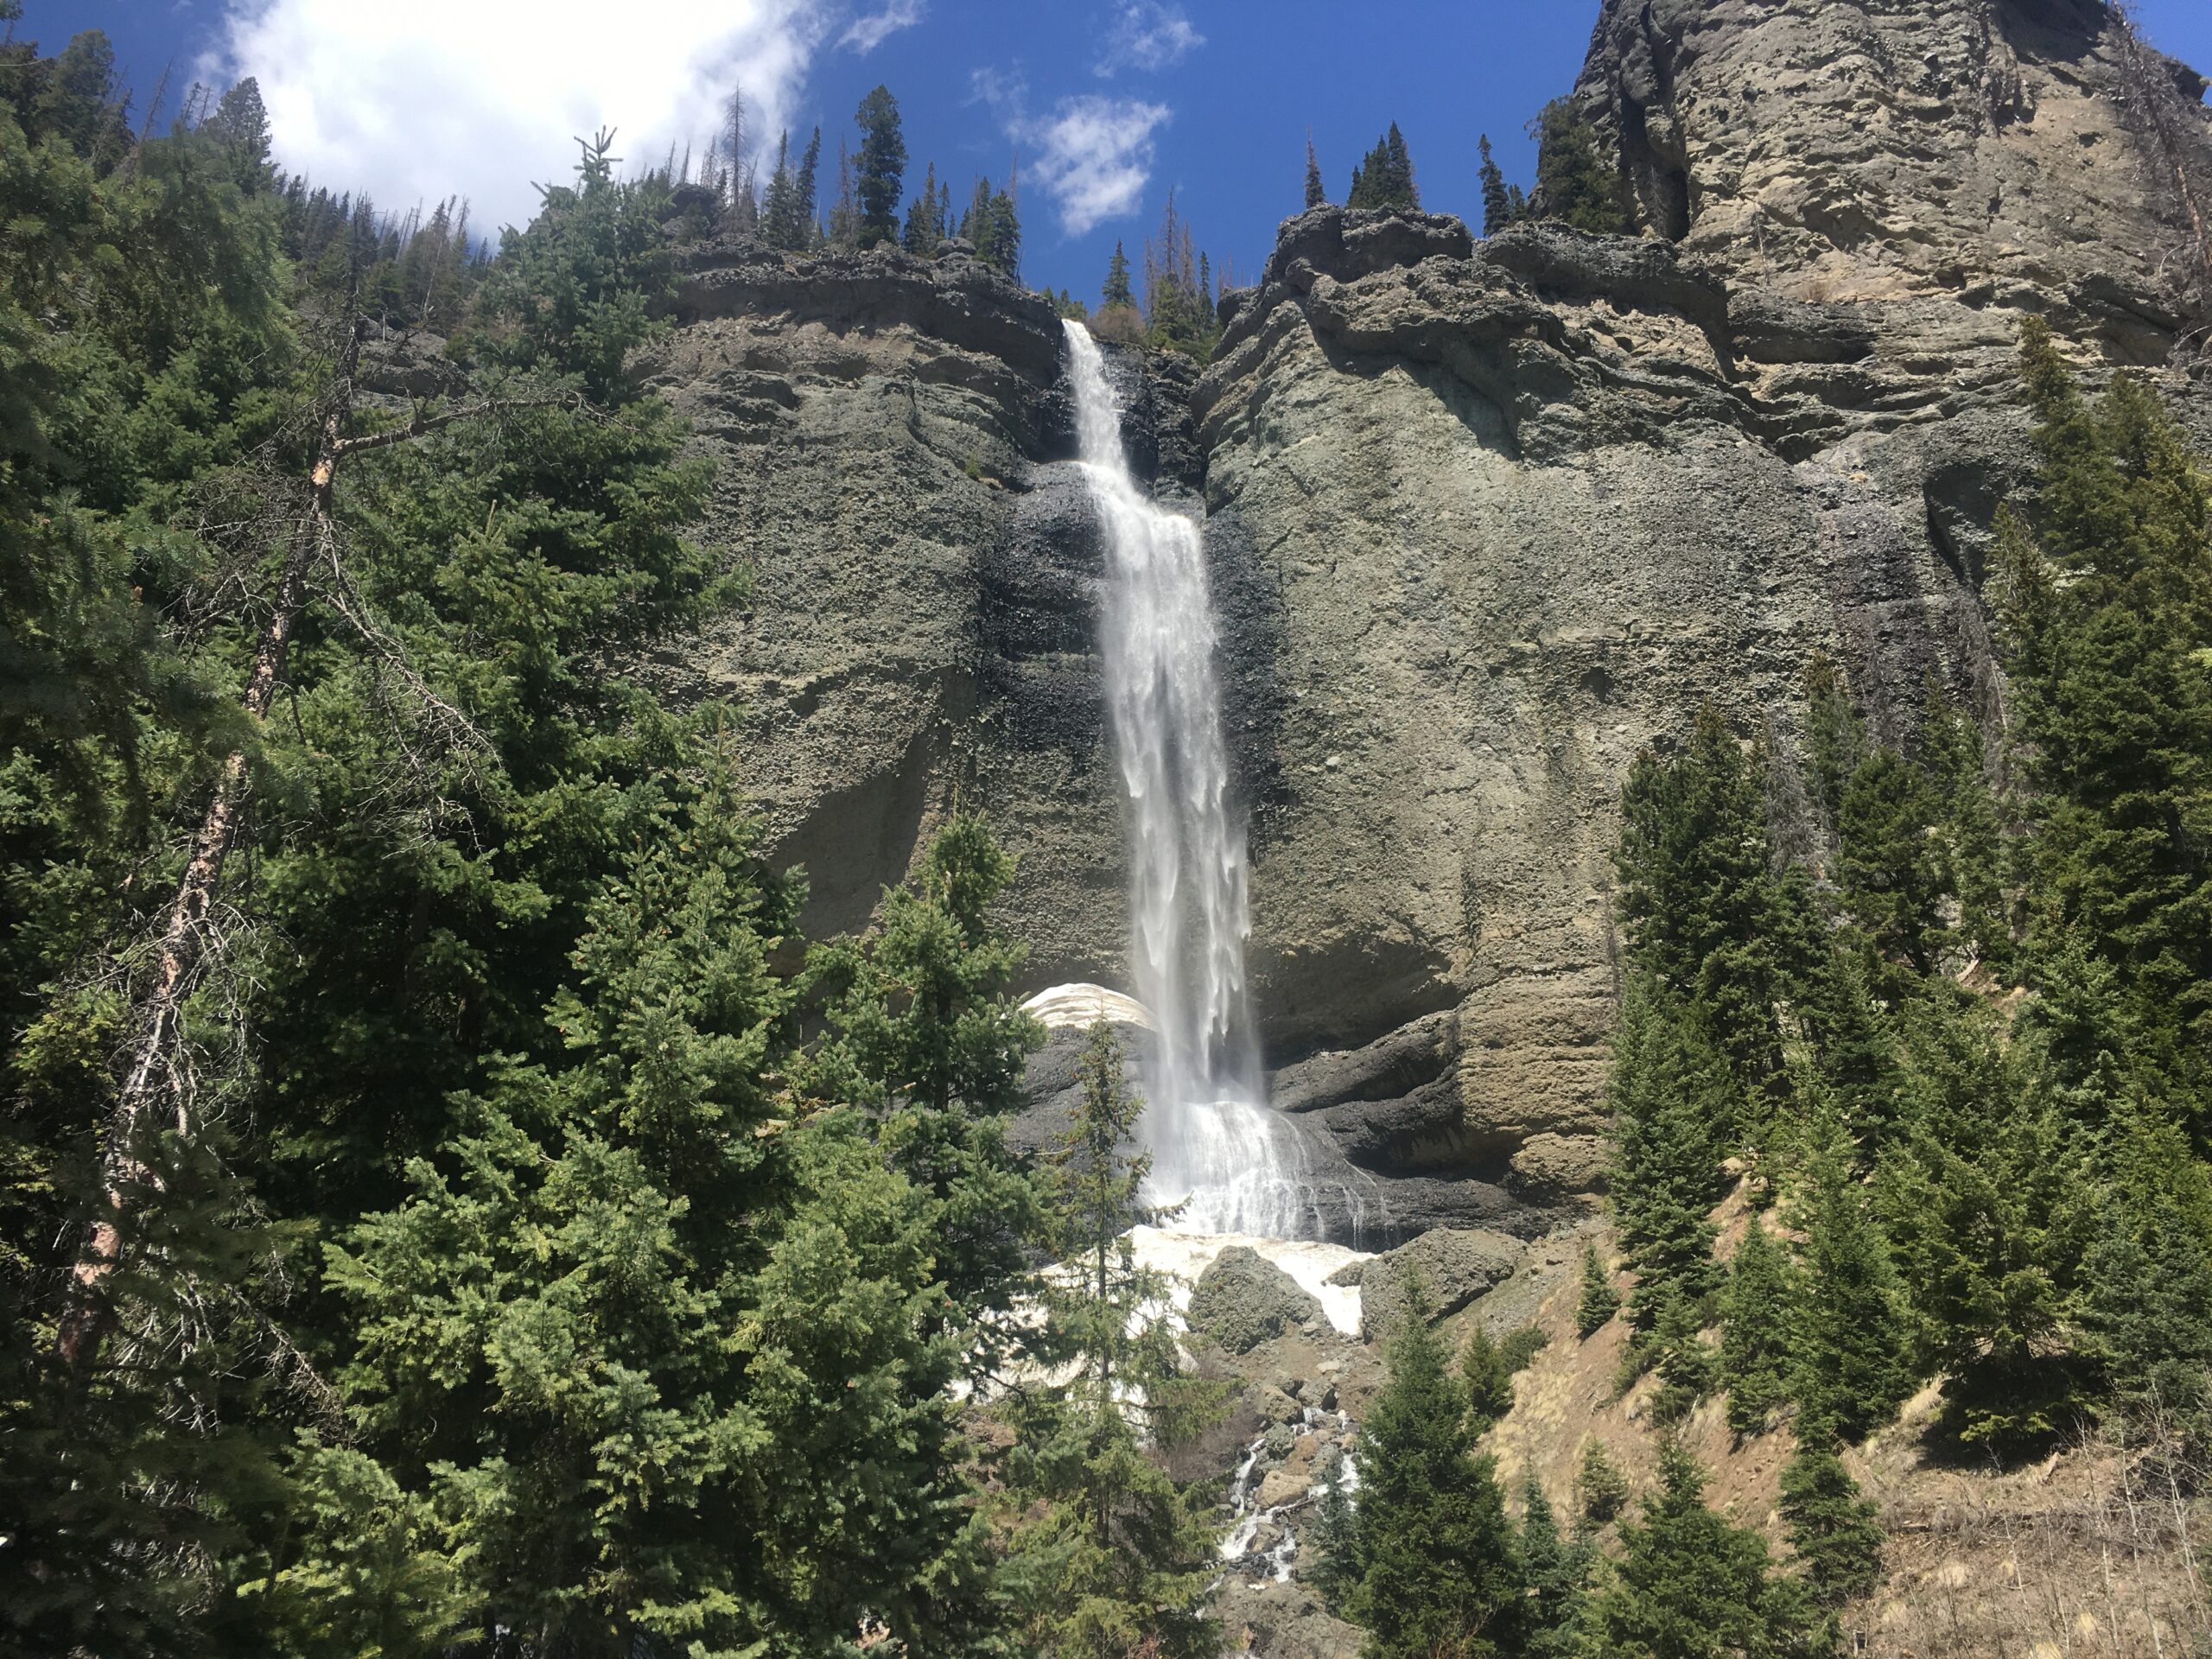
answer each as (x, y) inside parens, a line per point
(1485, 518)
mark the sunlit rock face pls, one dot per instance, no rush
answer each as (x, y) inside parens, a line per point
(1481, 521)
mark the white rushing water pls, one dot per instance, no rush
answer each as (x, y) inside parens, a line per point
(1242, 1168)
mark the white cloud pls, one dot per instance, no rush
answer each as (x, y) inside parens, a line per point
(1094, 157)
(412, 100)
(869, 32)
(1148, 35)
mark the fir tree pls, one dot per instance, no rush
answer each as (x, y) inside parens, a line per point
(1690, 1585)
(1498, 204)
(1835, 741)
(1317, 195)
(1488, 1381)
(1852, 1369)
(1599, 1301)
(1556, 1573)
(1385, 177)
(1890, 865)
(925, 226)
(1440, 1569)
(1601, 1490)
(1833, 1530)
(807, 231)
(1110, 1555)
(1327, 1555)
(1574, 184)
(1756, 1349)
(1669, 1087)
(1116, 290)
(881, 169)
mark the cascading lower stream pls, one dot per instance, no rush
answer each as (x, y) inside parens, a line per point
(1241, 1167)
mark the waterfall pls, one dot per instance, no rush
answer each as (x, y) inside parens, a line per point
(1243, 1168)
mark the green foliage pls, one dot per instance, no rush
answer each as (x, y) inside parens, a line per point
(1522, 1345)
(1759, 1312)
(1317, 193)
(1671, 1094)
(1556, 1572)
(992, 225)
(1115, 290)
(1600, 1487)
(1502, 203)
(1385, 177)
(1329, 1551)
(1439, 1565)
(1575, 184)
(2106, 608)
(880, 167)
(1851, 1372)
(926, 219)
(1487, 1379)
(1599, 1301)
(1678, 1351)
(1833, 1530)
(1692, 1586)
(1109, 1555)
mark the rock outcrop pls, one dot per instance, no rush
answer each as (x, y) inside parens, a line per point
(1243, 1299)
(1485, 519)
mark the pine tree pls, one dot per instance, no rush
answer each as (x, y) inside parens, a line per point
(1834, 1530)
(1327, 1554)
(1684, 1362)
(2105, 605)
(1599, 1301)
(1756, 1347)
(1668, 1088)
(1556, 1573)
(1835, 741)
(1488, 1381)
(1384, 177)
(782, 226)
(1498, 205)
(1574, 184)
(881, 169)
(1852, 1369)
(922, 1031)
(1601, 1490)
(1109, 1555)
(1439, 1562)
(2147, 1306)
(925, 226)
(1116, 290)
(1317, 195)
(1690, 1585)
(1890, 865)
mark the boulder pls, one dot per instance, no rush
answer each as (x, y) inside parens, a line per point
(1448, 1269)
(1243, 1299)
(1280, 1487)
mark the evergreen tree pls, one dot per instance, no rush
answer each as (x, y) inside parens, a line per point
(1684, 1362)
(1833, 1529)
(1110, 1555)
(1329, 1550)
(1669, 1087)
(881, 169)
(1970, 848)
(922, 1032)
(1116, 290)
(1556, 1573)
(782, 224)
(1574, 183)
(1890, 868)
(2146, 1306)
(1384, 177)
(1697, 894)
(1317, 193)
(1488, 1380)
(844, 222)
(2106, 604)
(925, 226)
(1835, 741)
(241, 119)
(1852, 1369)
(1498, 204)
(1756, 1346)
(1690, 1586)
(1440, 1569)
(1599, 1301)
(1601, 1490)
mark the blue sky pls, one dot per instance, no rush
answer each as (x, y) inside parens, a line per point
(1108, 104)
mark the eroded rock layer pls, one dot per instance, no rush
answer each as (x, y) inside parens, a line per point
(1485, 518)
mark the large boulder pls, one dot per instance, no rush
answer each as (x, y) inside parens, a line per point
(1243, 1299)
(1445, 1270)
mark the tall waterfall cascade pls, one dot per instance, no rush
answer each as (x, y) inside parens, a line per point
(1241, 1167)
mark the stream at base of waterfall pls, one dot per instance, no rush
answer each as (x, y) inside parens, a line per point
(1233, 1165)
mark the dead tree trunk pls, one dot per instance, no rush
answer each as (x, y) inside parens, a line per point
(155, 1084)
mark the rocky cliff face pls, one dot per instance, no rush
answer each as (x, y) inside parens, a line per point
(1485, 518)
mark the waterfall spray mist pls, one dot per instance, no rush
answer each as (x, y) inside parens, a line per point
(1243, 1168)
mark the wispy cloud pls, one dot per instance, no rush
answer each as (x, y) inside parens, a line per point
(1147, 35)
(412, 100)
(871, 31)
(1094, 157)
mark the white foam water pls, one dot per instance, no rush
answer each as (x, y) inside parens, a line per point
(1237, 1166)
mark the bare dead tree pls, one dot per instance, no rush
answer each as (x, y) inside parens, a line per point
(155, 1084)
